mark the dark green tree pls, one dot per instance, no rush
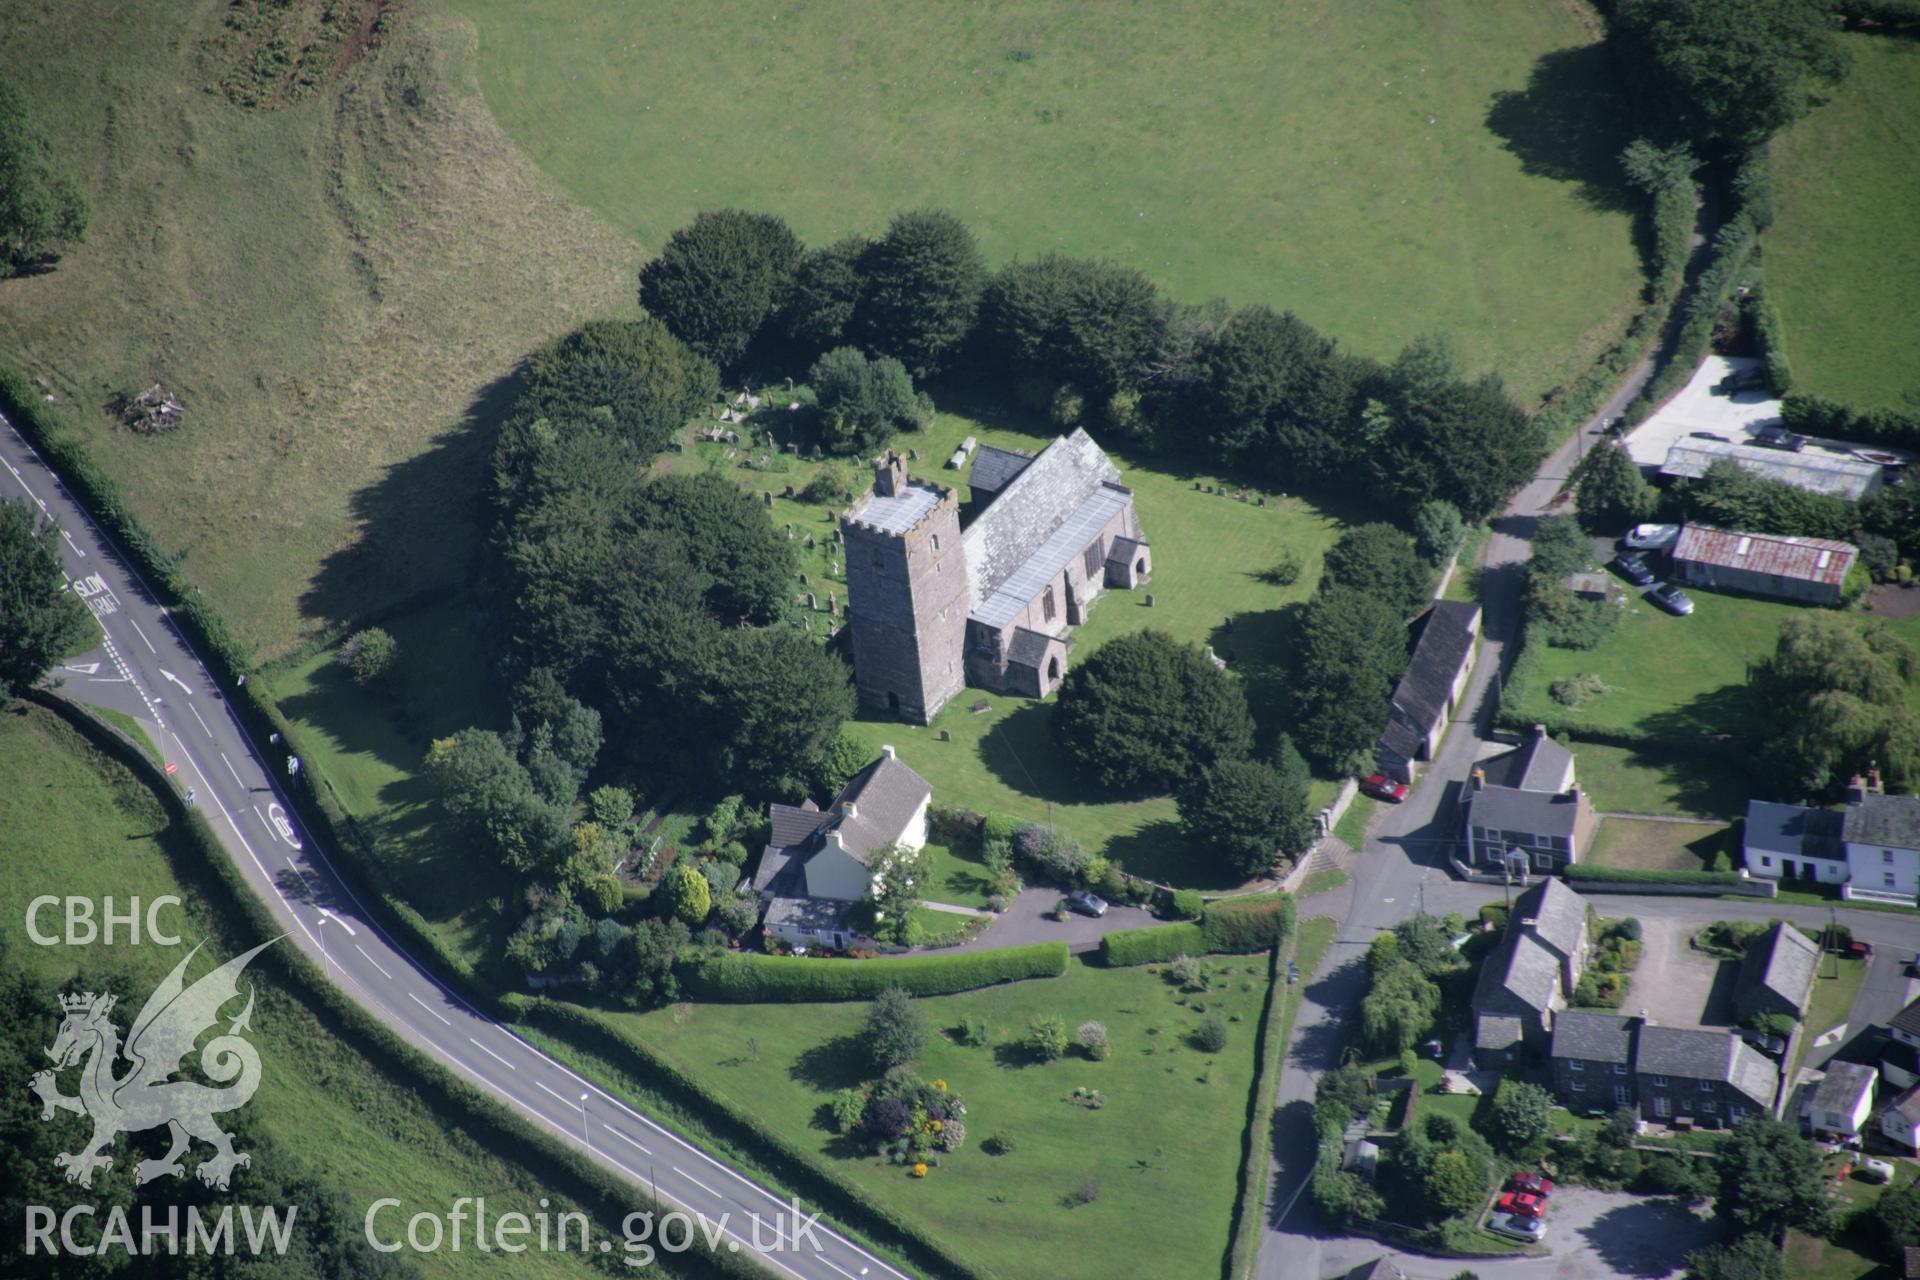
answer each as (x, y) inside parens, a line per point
(1452, 1184)
(1401, 1002)
(1833, 695)
(1433, 436)
(1522, 1115)
(727, 537)
(1753, 1256)
(1380, 560)
(1611, 492)
(823, 295)
(1426, 941)
(718, 279)
(641, 377)
(1438, 529)
(1266, 390)
(923, 281)
(1726, 73)
(1090, 324)
(1246, 812)
(1897, 1214)
(41, 621)
(1353, 647)
(42, 210)
(1559, 547)
(864, 401)
(369, 655)
(1346, 1087)
(895, 1033)
(1771, 1177)
(1145, 711)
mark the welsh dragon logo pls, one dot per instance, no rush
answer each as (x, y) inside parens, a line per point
(146, 1096)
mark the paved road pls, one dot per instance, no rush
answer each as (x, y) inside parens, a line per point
(145, 667)
(1403, 867)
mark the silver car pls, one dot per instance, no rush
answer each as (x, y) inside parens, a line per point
(1515, 1227)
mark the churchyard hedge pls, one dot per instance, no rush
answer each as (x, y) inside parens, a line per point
(756, 979)
(1232, 926)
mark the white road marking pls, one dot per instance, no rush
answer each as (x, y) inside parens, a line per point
(375, 963)
(71, 543)
(429, 1008)
(569, 1101)
(696, 1182)
(351, 931)
(209, 733)
(223, 760)
(491, 1054)
(163, 671)
(624, 1138)
(836, 1266)
(83, 668)
(151, 649)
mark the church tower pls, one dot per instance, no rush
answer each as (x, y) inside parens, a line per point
(907, 593)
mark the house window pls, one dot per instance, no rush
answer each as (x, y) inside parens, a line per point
(1620, 1095)
(1887, 878)
(1092, 559)
(1619, 1068)
(936, 542)
(1886, 855)
(1659, 1082)
(1708, 1106)
(1661, 1107)
(1765, 861)
(1579, 1086)
(1543, 861)
(1706, 1086)
(1046, 604)
(1576, 1066)
(1557, 843)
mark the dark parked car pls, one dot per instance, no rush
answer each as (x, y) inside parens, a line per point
(1708, 435)
(1774, 436)
(1672, 599)
(1087, 904)
(1859, 950)
(1771, 1045)
(1633, 569)
(1381, 787)
(1741, 380)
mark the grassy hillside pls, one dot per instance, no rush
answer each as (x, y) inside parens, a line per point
(328, 285)
(1843, 260)
(1347, 161)
(74, 823)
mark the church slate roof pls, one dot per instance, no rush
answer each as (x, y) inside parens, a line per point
(1032, 506)
(1121, 550)
(898, 513)
(994, 468)
(1060, 549)
(1028, 647)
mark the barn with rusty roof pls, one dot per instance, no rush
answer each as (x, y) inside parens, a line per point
(1808, 570)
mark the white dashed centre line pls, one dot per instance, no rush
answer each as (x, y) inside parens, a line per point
(143, 636)
(430, 1009)
(490, 1053)
(624, 1138)
(375, 963)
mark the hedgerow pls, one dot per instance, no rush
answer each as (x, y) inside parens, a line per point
(1234, 926)
(755, 979)
(1631, 875)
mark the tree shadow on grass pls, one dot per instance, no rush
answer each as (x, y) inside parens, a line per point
(1566, 124)
(1714, 720)
(839, 1063)
(420, 525)
(1020, 752)
(1645, 1238)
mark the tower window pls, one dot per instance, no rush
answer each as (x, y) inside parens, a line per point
(1046, 604)
(936, 542)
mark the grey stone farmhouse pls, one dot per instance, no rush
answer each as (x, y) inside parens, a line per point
(1525, 981)
(1870, 847)
(933, 608)
(1526, 813)
(818, 862)
(1424, 701)
(1687, 1076)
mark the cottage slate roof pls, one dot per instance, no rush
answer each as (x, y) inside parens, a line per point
(1445, 639)
(1695, 1053)
(1908, 1105)
(818, 915)
(1521, 976)
(781, 871)
(885, 796)
(994, 468)
(1496, 1031)
(1794, 830)
(1028, 648)
(1842, 1088)
(1031, 507)
(1559, 915)
(1121, 550)
(1893, 821)
(1593, 1037)
(1537, 764)
(1782, 960)
(1399, 741)
(795, 825)
(1062, 547)
(1907, 1020)
(1535, 812)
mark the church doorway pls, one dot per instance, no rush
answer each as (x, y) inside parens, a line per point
(1053, 669)
(893, 702)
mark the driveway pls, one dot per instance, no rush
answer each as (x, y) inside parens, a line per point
(1025, 921)
(1674, 984)
(1591, 1235)
(1698, 407)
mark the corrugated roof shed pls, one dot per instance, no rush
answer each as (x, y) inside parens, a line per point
(1813, 469)
(1808, 559)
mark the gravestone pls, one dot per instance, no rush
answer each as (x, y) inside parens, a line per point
(1149, 600)
(945, 736)
(767, 497)
(812, 604)
(833, 604)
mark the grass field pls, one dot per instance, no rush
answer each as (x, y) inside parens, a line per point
(1659, 846)
(72, 823)
(1843, 259)
(1626, 780)
(330, 288)
(1347, 162)
(1855, 1251)
(1679, 676)
(1165, 1146)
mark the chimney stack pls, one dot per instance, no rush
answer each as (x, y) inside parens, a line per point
(1874, 785)
(1856, 789)
(850, 809)
(1479, 779)
(886, 749)
(1539, 732)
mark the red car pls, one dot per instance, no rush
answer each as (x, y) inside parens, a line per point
(1381, 787)
(1520, 1204)
(1531, 1183)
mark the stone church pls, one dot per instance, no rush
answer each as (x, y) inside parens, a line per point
(934, 607)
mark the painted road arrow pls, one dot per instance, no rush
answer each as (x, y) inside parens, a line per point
(177, 680)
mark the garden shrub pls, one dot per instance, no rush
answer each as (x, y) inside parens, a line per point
(1188, 904)
(754, 979)
(1211, 1035)
(1232, 926)
(1154, 944)
(1047, 1037)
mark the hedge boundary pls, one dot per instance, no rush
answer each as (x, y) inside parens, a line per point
(1733, 246)
(1256, 1174)
(1230, 926)
(783, 1160)
(207, 633)
(1819, 416)
(605, 1196)
(1630, 875)
(740, 978)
